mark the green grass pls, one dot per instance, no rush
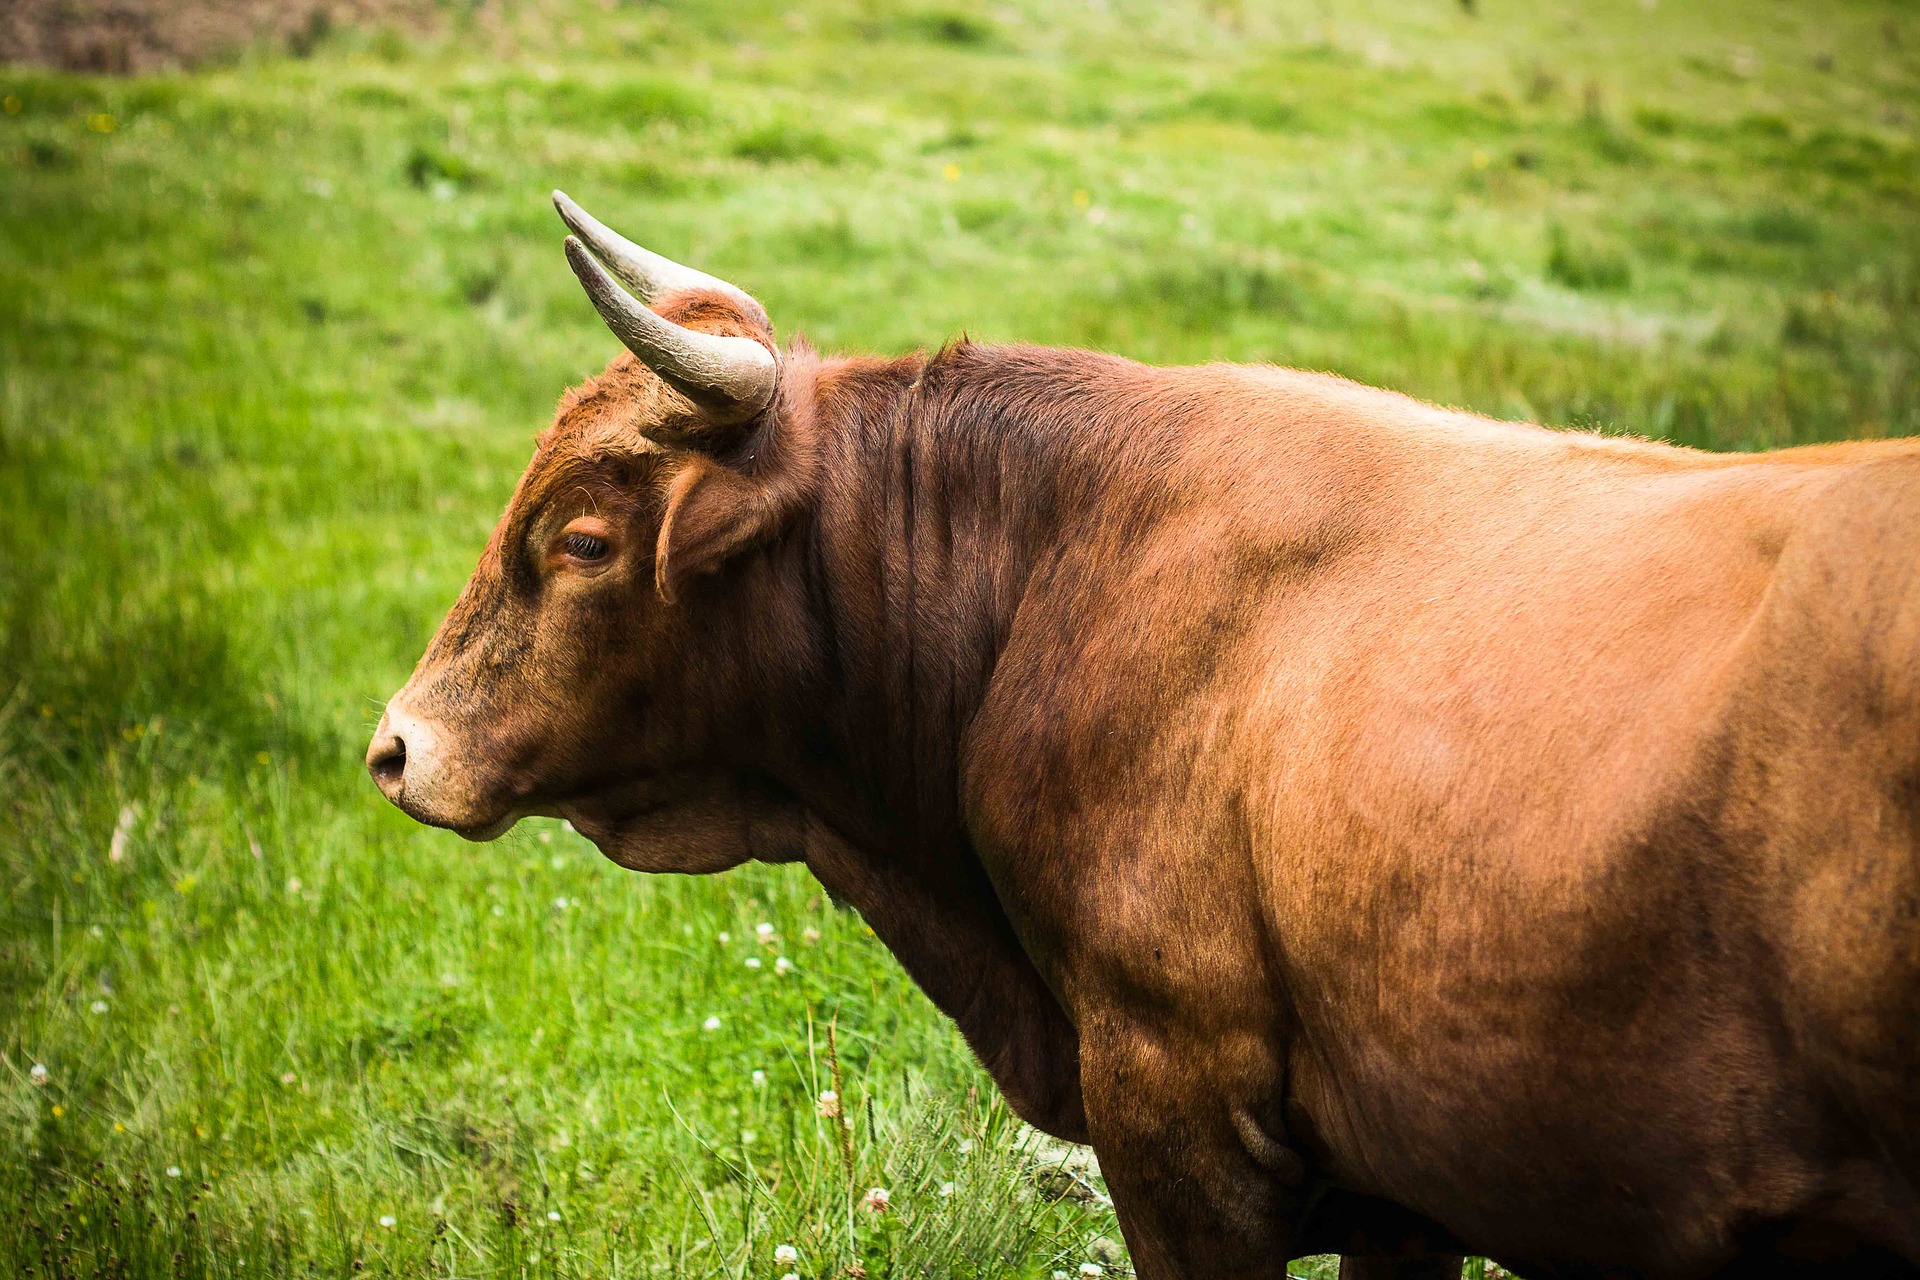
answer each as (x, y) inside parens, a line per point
(274, 339)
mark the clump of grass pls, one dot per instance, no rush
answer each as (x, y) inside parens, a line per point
(1611, 143)
(1206, 291)
(1245, 105)
(1816, 320)
(1779, 224)
(1658, 121)
(48, 153)
(428, 166)
(783, 141)
(1583, 260)
(625, 102)
(949, 26)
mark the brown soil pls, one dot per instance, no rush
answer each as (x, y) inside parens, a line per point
(124, 36)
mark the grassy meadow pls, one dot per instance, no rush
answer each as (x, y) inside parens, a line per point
(275, 336)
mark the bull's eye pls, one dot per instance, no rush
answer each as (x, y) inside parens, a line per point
(583, 546)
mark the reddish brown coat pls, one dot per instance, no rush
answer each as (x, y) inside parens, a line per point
(1376, 828)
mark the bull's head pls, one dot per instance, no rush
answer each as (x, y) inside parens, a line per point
(566, 680)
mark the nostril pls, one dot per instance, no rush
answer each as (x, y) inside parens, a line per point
(387, 762)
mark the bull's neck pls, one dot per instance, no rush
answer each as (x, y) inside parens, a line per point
(945, 484)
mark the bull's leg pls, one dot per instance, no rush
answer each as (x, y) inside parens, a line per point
(1194, 1203)
(1185, 1216)
(1435, 1267)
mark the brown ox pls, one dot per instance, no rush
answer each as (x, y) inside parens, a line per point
(1377, 829)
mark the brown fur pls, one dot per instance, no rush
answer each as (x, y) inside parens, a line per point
(1377, 829)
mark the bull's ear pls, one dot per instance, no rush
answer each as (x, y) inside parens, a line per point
(713, 514)
(716, 511)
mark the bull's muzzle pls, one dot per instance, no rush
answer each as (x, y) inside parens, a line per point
(412, 763)
(387, 753)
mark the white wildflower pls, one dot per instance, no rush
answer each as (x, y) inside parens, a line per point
(829, 1104)
(173, 1171)
(99, 1006)
(553, 1215)
(388, 1221)
(753, 962)
(117, 847)
(37, 1073)
(810, 934)
(725, 937)
(764, 929)
(786, 1255)
(760, 1078)
(711, 1024)
(946, 1188)
(783, 965)
(876, 1200)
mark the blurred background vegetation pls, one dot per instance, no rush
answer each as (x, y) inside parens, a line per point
(276, 329)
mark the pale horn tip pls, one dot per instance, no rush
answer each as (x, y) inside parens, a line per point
(588, 267)
(599, 284)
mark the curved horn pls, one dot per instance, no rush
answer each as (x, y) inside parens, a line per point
(642, 270)
(728, 379)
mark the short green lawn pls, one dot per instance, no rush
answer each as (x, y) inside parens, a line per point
(274, 340)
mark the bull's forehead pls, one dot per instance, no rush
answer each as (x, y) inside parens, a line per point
(604, 419)
(610, 413)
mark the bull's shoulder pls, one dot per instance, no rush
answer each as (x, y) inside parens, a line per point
(1846, 592)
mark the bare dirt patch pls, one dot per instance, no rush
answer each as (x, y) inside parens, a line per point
(128, 36)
